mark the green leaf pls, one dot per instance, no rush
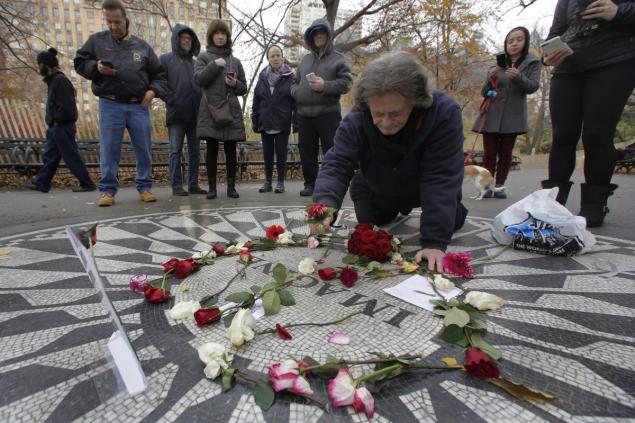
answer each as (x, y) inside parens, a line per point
(240, 297)
(373, 265)
(210, 302)
(271, 302)
(440, 303)
(363, 261)
(279, 273)
(264, 395)
(286, 299)
(439, 311)
(255, 289)
(520, 391)
(479, 342)
(477, 325)
(332, 359)
(228, 379)
(474, 313)
(350, 259)
(452, 334)
(310, 361)
(456, 316)
(269, 286)
(454, 302)
(227, 320)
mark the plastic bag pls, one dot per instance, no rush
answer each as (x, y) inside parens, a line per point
(538, 223)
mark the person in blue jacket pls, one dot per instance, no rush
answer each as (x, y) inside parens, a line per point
(401, 147)
(271, 115)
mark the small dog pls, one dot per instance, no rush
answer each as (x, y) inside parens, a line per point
(483, 180)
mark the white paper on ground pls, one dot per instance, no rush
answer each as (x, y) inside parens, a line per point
(257, 310)
(127, 363)
(406, 291)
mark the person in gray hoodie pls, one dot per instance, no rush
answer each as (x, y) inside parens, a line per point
(182, 101)
(322, 77)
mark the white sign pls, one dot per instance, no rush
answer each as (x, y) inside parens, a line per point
(417, 290)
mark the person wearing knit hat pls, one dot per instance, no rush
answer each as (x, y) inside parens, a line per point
(61, 115)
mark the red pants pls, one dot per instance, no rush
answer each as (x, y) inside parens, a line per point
(498, 146)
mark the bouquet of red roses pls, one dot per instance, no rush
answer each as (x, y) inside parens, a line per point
(317, 212)
(373, 243)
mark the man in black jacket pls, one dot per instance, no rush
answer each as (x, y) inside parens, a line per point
(126, 76)
(61, 115)
(182, 100)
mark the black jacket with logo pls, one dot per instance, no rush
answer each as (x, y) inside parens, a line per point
(61, 108)
(138, 68)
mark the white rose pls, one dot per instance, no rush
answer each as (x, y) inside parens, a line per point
(184, 310)
(285, 238)
(396, 258)
(233, 249)
(443, 284)
(207, 254)
(216, 357)
(242, 327)
(484, 301)
(212, 370)
(306, 266)
(313, 243)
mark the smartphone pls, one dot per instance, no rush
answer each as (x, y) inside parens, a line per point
(553, 45)
(107, 63)
(501, 60)
(311, 76)
(231, 74)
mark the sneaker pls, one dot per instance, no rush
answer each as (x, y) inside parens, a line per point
(85, 189)
(147, 197)
(488, 193)
(106, 200)
(177, 191)
(197, 190)
(35, 187)
(500, 194)
(307, 191)
(279, 188)
(266, 187)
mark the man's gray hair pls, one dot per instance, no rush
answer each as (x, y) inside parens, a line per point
(398, 72)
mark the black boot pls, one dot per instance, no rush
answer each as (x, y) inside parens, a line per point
(266, 187)
(563, 189)
(231, 188)
(211, 194)
(593, 204)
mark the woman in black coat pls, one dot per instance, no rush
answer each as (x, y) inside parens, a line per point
(272, 111)
(593, 77)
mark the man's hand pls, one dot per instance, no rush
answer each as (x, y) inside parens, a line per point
(220, 62)
(434, 258)
(512, 72)
(317, 84)
(105, 70)
(557, 57)
(600, 9)
(147, 99)
(321, 228)
(230, 81)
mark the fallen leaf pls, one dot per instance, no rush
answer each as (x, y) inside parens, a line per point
(450, 361)
(520, 391)
(5, 253)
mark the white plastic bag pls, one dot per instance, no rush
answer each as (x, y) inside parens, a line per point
(538, 223)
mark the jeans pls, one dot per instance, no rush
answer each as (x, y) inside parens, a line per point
(114, 118)
(177, 132)
(498, 146)
(60, 144)
(312, 131)
(588, 103)
(278, 142)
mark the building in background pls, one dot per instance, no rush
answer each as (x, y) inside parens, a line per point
(302, 15)
(67, 24)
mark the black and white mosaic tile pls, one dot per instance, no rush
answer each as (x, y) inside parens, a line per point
(567, 328)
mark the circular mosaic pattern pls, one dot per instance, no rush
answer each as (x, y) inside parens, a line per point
(566, 328)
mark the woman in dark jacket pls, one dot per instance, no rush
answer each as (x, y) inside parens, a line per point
(506, 115)
(401, 148)
(591, 83)
(272, 111)
(222, 77)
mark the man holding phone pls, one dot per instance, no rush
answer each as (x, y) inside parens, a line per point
(322, 77)
(126, 76)
(593, 76)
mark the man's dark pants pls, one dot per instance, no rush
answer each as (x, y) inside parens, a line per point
(312, 132)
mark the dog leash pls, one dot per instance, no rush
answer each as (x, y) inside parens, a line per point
(488, 101)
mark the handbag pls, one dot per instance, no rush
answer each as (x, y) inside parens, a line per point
(220, 111)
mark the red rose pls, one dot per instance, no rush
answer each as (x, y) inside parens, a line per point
(384, 235)
(274, 231)
(155, 295)
(384, 246)
(184, 268)
(248, 245)
(368, 236)
(348, 276)
(363, 227)
(317, 211)
(327, 274)
(219, 249)
(459, 264)
(283, 333)
(245, 257)
(480, 365)
(169, 265)
(207, 316)
(368, 250)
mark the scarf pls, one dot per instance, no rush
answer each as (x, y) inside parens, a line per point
(390, 149)
(272, 77)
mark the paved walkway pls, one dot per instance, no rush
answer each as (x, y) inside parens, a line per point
(566, 327)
